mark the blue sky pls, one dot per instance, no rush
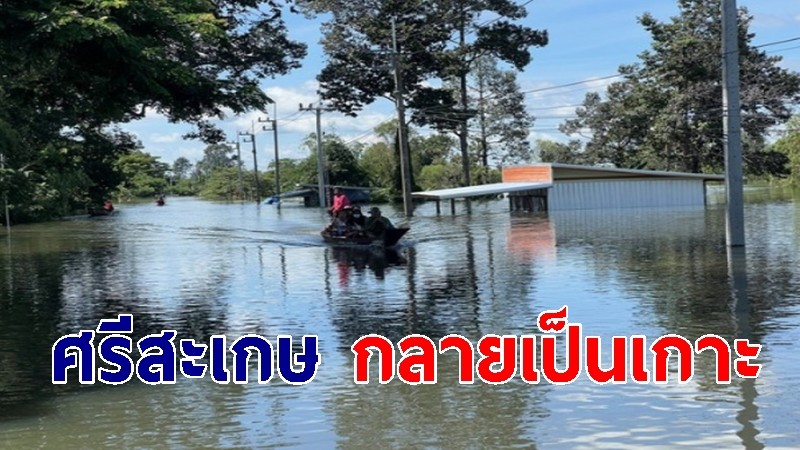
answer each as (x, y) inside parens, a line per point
(588, 40)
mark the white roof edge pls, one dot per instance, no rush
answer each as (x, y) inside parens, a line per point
(655, 173)
(478, 190)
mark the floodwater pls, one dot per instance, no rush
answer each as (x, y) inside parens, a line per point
(204, 268)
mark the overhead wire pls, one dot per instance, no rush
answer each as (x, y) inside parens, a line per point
(576, 83)
(778, 42)
(359, 137)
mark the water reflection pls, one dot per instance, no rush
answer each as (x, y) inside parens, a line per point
(356, 259)
(531, 237)
(742, 311)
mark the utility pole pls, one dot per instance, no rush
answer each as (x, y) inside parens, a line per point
(274, 127)
(323, 198)
(252, 136)
(5, 195)
(465, 114)
(405, 162)
(239, 166)
(462, 135)
(732, 126)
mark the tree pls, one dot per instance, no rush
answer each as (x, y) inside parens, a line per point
(215, 157)
(619, 126)
(71, 69)
(789, 146)
(298, 172)
(143, 175)
(502, 120)
(433, 42)
(181, 168)
(558, 152)
(341, 165)
(65, 175)
(101, 61)
(431, 149)
(223, 184)
(666, 113)
(378, 161)
(439, 176)
(501, 39)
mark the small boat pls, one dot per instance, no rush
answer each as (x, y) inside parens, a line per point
(100, 212)
(390, 238)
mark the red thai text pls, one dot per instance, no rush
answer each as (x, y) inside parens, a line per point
(497, 359)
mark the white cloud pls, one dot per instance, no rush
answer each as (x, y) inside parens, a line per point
(192, 151)
(363, 138)
(288, 100)
(366, 121)
(165, 137)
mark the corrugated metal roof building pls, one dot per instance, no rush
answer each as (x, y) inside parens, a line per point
(553, 187)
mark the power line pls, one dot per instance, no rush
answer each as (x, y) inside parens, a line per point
(620, 75)
(554, 107)
(368, 133)
(295, 116)
(778, 42)
(784, 49)
(574, 83)
(561, 86)
(554, 129)
(500, 17)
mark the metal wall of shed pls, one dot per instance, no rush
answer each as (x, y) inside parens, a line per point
(597, 194)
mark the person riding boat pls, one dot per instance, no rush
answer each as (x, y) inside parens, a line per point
(339, 201)
(338, 226)
(376, 225)
(357, 217)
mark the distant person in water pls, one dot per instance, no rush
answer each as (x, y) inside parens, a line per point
(339, 202)
(160, 200)
(108, 206)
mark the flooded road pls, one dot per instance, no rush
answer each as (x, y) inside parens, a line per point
(204, 268)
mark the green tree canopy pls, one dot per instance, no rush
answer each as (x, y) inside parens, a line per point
(667, 113)
(142, 174)
(181, 168)
(71, 69)
(502, 123)
(215, 157)
(341, 165)
(789, 145)
(558, 152)
(437, 40)
(104, 61)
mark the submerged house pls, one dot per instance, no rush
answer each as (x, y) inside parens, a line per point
(554, 187)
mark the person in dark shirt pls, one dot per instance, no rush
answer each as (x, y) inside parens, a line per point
(357, 217)
(376, 225)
